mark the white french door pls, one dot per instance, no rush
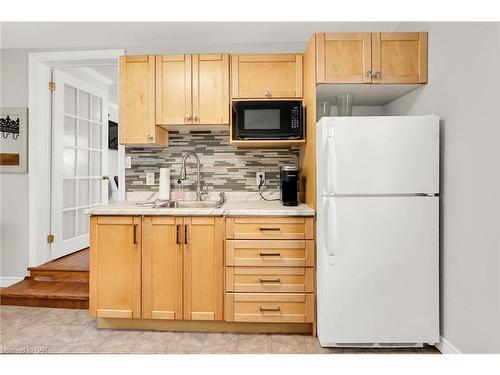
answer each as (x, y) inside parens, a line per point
(79, 160)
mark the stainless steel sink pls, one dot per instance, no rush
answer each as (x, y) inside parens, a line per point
(159, 203)
(194, 204)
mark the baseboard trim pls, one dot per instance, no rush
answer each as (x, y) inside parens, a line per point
(446, 347)
(6, 281)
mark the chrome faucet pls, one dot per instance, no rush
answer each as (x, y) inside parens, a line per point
(198, 174)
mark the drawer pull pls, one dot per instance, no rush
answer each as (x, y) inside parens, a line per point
(270, 229)
(270, 309)
(269, 254)
(270, 280)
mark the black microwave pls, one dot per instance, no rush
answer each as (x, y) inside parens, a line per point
(268, 119)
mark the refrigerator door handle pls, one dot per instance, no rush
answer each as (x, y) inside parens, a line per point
(331, 225)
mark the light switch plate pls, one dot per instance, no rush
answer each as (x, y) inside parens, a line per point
(150, 178)
(128, 162)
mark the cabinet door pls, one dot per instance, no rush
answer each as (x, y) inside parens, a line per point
(137, 102)
(173, 90)
(343, 57)
(115, 267)
(203, 268)
(399, 57)
(211, 89)
(266, 76)
(162, 268)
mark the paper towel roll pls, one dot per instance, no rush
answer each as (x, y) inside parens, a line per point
(164, 184)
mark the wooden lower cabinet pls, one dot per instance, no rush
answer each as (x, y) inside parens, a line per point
(115, 267)
(269, 228)
(270, 307)
(162, 254)
(270, 270)
(270, 279)
(159, 267)
(266, 253)
(203, 268)
(153, 269)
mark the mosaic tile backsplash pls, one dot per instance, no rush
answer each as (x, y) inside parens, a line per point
(223, 167)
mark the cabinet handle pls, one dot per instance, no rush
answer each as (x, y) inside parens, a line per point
(270, 280)
(271, 229)
(135, 234)
(269, 254)
(195, 118)
(275, 309)
(177, 234)
(268, 93)
(150, 137)
(188, 118)
(377, 75)
(185, 234)
(369, 74)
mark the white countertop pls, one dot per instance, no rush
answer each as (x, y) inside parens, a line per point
(230, 208)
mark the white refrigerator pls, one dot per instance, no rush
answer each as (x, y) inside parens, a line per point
(378, 230)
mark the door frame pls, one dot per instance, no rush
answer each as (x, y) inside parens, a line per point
(40, 142)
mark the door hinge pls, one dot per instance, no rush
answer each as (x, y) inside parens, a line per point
(52, 86)
(50, 238)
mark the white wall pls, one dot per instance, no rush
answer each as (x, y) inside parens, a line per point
(14, 187)
(464, 90)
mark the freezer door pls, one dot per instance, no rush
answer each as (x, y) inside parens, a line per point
(381, 155)
(378, 272)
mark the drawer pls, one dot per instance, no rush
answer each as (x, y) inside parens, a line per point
(270, 279)
(269, 307)
(282, 253)
(269, 228)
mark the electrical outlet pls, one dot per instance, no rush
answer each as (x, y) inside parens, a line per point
(128, 162)
(150, 178)
(258, 176)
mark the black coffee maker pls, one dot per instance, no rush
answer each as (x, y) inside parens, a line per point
(289, 183)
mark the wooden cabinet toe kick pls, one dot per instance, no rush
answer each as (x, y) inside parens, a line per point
(204, 326)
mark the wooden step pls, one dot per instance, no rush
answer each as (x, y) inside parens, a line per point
(42, 293)
(73, 267)
(55, 275)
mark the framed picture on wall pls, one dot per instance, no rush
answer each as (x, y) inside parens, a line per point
(13, 140)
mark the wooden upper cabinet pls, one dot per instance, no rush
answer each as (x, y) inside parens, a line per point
(173, 90)
(162, 253)
(371, 57)
(203, 268)
(266, 76)
(192, 89)
(399, 57)
(343, 57)
(115, 267)
(211, 89)
(137, 102)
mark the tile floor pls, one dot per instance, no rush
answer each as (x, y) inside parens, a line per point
(44, 330)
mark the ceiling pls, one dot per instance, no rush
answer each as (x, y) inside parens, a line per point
(79, 35)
